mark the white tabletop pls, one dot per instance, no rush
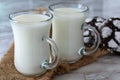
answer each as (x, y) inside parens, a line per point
(105, 68)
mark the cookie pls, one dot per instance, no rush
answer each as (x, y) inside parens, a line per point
(109, 30)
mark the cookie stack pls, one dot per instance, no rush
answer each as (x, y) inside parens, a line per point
(109, 30)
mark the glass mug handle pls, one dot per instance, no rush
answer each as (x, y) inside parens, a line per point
(54, 58)
(94, 47)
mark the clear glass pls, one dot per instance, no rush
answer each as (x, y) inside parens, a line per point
(32, 54)
(68, 19)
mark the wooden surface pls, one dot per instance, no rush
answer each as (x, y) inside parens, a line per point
(105, 68)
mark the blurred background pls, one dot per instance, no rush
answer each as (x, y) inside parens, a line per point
(105, 8)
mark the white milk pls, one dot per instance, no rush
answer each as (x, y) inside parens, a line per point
(67, 32)
(30, 49)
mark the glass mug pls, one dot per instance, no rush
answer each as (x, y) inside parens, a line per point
(67, 25)
(31, 36)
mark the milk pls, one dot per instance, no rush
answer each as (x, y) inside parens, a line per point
(67, 32)
(30, 49)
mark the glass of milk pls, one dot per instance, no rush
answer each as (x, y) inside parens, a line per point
(67, 27)
(33, 54)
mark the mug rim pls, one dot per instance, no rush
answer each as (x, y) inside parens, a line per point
(31, 11)
(69, 3)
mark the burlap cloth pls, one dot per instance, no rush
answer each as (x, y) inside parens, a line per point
(8, 71)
